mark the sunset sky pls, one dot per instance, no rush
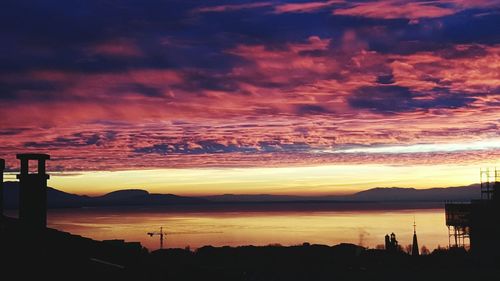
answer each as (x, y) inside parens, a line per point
(280, 97)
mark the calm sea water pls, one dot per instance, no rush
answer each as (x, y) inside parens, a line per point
(234, 228)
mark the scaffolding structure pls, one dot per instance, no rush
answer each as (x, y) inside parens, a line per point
(461, 216)
(489, 178)
(458, 223)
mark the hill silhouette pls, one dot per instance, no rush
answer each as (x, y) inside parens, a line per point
(139, 197)
(129, 197)
(379, 194)
(461, 193)
(55, 198)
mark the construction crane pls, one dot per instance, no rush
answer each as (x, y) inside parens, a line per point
(160, 233)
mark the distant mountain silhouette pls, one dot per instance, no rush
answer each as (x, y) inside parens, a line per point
(55, 198)
(60, 199)
(383, 194)
(139, 197)
(258, 198)
(461, 193)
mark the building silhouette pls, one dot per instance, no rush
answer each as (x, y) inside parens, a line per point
(391, 243)
(414, 245)
(479, 220)
(33, 191)
(2, 168)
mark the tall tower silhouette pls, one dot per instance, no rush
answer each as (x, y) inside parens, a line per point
(2, 168)
(414, 248)
(33, 191)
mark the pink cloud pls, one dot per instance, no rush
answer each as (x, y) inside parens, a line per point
(285, 106)
(477, 72)
(467, 4)
(394, 9)
(105, 147)
(412, 10)
(118, 48)
(304, 7)
(281, 65)
(233, 7)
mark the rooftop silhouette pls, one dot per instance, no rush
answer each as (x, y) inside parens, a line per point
(2, 169)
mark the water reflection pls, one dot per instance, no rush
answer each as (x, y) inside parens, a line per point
(366, 227)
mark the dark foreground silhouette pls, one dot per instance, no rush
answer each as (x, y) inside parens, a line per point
(29, 250)
(57, 255)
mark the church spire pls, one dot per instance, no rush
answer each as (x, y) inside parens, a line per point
(414, 226)
(414, 248)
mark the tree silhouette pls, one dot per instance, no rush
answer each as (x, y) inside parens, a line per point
(424, 250)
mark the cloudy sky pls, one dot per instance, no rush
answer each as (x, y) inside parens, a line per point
(291, 97)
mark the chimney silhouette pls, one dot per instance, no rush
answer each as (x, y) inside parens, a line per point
(2, 168)
(33, 191)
